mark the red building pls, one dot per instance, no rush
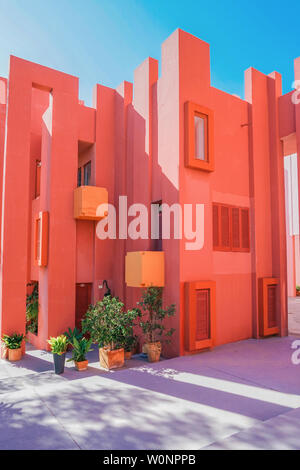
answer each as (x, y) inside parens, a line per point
(173, 139)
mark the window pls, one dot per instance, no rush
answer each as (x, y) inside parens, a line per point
(79, 177)
(38, 166)
(268, 306)
(41, 239)
(199, 126)
(87, 170)
(156, 226)
(200, 312)
(231, 229)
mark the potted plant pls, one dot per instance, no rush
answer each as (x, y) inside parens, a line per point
(130, 344)
(71, 334)
(298, 291)
(80, 349)
(107, 324)
(152, 323)
(13, 345)
(58, 348)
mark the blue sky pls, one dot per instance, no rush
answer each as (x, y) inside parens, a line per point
(103, 41)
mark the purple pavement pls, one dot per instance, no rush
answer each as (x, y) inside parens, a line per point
(241, 395)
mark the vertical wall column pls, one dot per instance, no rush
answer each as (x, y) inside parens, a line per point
(58, 180)
(57, 280)
(3, 98)
(267, 190)
(104, 100)
(123, 99)
(15, 203)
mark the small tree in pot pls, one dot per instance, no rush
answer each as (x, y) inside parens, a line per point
(107, 324)
(13, 345)
(153, 315)
(59, 347)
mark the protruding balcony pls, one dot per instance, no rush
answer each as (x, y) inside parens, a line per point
(145, 269)
(86, 201)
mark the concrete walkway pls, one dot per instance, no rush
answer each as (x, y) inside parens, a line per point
(242, 395)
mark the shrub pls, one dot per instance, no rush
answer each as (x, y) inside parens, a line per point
(80, 349)
(32, 308)
(108, 324)
(14, 341)
(153, 316)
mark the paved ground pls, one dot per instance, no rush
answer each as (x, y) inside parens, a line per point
(294, 315)
(242, 395)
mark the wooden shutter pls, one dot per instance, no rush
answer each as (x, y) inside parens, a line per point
(202, 314)
(271, 295)
(225, 228)
(216, 226)
(235, 228)
(245, 229)
(268, 319)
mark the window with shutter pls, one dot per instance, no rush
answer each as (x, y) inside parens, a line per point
(225, 228)
(200, 310)
(245, 229)
(202, 314)
(216, 226)
(230, 228)
(268, 319)
(235, 228)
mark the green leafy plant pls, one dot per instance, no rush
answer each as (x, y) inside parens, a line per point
(58, 345)
(32, 308)
(153, 316)
(71, 334)
(14, 341)
(130, 340)
(80, 349)
(298, 288)
(108, 324)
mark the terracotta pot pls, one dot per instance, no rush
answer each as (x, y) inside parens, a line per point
(298, 293)
(82, 365)
(154, 351)
(128, 355)
(111, 359)
(59, 363)
(15, 354)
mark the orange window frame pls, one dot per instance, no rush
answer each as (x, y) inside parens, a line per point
(191, 288)
(41, 234)
(192, 110)
(263, 286)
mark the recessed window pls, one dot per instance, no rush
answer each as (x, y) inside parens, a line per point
(79, 177)
(231, 228)
(38, 166)
(87, 169)
(199, 128)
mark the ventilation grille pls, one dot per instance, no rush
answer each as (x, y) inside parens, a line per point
(202, 314)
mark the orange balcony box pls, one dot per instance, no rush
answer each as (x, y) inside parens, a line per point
(145, 269)
(86, 201)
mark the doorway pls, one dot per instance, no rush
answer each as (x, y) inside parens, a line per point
(83, 300)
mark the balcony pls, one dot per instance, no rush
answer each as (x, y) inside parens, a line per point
(145, 269)
(86, 201)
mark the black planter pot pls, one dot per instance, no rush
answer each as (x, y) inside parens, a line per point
(59, 363)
